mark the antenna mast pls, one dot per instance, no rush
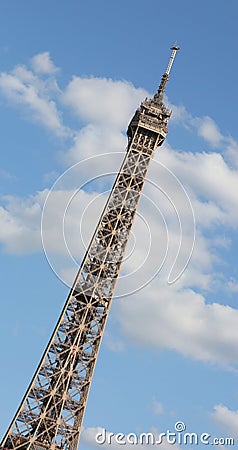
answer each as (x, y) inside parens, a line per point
(165, 77)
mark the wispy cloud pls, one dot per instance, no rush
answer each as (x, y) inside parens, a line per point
(43, 64)
(22, 88)
(226, 419)
(209, 131)
(20, 223)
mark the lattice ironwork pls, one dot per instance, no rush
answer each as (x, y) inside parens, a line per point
(51, 413)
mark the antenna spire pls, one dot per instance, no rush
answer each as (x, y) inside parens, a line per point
(165, 77)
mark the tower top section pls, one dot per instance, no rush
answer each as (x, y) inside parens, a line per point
(159, 94)
(152, 116)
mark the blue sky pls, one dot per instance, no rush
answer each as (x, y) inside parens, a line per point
(71, 75)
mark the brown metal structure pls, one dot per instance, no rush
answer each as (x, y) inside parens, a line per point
(52, 410)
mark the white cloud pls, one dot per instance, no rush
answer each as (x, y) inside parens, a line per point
(213, 186)
(205, 126)
(43, 64)
(231, 151)
(106, 107)
(232, 285)
(67, 226)
(179, 319)
(180, 115)
(227, 419)
(20, 224)
(208, 129)
(103, 101)
(69, 220)
(93, 139)
(24, 89)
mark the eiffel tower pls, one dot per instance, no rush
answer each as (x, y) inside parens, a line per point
(51, 413)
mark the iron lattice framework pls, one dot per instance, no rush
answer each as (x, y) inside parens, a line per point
(51, 413)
